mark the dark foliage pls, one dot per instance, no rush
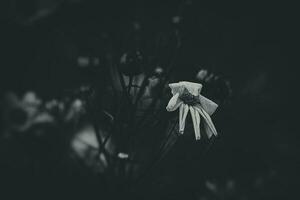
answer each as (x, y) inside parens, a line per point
(84, 91)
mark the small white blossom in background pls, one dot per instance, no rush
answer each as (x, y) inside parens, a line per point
(31, 98)
(86, 61)
(51, 104)
(176, 19)
(20, 114)
(201, 74)
(75, 110)
(123, 155)
(212, 186)
(187, 97)
(158, 70)
(83, 61)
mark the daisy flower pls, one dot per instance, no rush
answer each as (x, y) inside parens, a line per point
(187, 97)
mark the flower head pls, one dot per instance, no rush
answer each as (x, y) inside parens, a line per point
(187, 97)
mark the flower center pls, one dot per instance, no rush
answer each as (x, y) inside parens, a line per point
(188, 98)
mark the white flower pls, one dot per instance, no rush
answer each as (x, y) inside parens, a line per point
(187, 97)
(201, 74)
(123, 155)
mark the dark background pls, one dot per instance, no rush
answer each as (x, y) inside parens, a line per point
(250, 45)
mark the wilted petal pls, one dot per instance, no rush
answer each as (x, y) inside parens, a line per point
(208, 131)
(195, 124)
(208, 105)
(180, 117)
(174, 103)
(197, 115)
(176, 88)
(208, 124)
(185, 110)
(193, 88)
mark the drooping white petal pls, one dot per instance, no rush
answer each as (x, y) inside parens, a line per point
(208, 105)
(208, 124)
(180, 117)
(193, 88)
(174, 103)
(194, 119)
(185, 111)
(176, 88)
(197, 115)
